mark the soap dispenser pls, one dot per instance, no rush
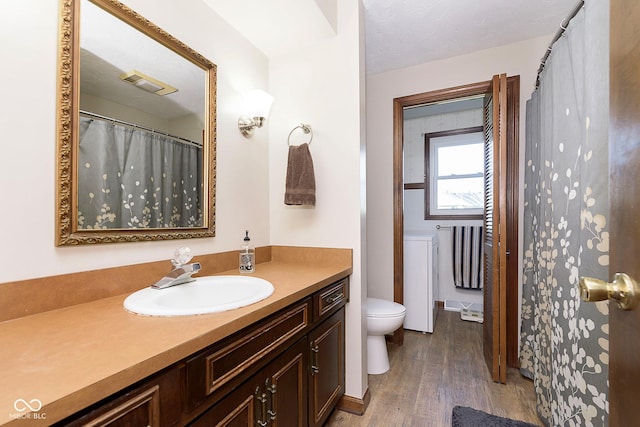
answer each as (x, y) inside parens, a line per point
(247, 255)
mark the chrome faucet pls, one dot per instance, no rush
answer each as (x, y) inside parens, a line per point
(181, 272)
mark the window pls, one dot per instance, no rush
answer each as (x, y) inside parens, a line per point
(454, 179)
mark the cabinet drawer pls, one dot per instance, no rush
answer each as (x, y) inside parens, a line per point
(329, 298)
(154, 403)
(236, 357)
(274, 396)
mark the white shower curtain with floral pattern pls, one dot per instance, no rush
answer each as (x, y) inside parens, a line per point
(564, 341)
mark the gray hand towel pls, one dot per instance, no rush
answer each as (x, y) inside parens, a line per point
(301, 182)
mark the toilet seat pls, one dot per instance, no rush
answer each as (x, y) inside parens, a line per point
(382, 308)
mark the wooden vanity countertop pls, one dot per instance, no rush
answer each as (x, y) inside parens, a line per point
(69, 358)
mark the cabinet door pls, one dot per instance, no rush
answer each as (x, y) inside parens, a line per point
(274, 396)
(326, 383)
(287, 387)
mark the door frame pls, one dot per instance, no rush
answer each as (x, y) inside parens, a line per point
(513, 126)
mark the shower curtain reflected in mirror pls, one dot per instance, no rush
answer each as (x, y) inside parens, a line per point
(133, 178)
(564, 343)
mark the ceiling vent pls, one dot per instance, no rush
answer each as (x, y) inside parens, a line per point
(147, 83)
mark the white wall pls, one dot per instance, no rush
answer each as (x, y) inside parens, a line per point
(28, 123)
(322, 87)
(515, 59)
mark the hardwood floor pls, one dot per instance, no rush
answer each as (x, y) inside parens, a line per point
(430, 374)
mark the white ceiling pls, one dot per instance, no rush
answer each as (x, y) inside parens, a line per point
(110, 47)
(399, 33)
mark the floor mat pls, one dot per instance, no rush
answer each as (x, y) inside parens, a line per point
(463, 416)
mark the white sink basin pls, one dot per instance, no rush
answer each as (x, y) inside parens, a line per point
(208, 294)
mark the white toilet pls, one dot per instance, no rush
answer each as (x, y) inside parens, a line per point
(383, 317)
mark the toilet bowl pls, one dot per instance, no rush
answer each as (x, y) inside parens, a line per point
(383, 317)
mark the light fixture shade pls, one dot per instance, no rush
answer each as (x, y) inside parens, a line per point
(257, 103)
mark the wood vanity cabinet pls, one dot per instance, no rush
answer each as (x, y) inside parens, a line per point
(285, 370)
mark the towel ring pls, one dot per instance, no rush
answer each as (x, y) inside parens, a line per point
(305, 128)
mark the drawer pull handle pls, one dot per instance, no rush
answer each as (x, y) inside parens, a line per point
(335, 298)
(264, 410)
(271, 389)
(314, 359)
(261, 400)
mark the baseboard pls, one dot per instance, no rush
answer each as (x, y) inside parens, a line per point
(354, 405)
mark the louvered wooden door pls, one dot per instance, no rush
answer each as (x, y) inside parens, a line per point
(495, 213)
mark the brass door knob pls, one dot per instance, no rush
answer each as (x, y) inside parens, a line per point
(624, 290)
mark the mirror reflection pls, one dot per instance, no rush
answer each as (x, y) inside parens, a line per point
(143, 151)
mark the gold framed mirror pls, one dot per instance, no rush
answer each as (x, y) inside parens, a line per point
(136, 130)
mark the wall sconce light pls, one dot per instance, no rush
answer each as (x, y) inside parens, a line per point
(257, 104)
